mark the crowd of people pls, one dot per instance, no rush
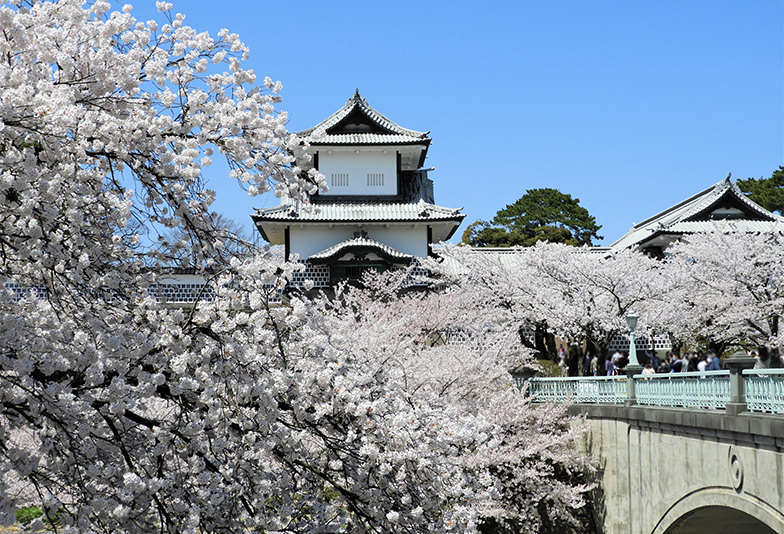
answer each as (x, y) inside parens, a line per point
(672, 362)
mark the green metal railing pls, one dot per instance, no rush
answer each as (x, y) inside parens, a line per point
(705, 390)
(582, 390)
(764, 390)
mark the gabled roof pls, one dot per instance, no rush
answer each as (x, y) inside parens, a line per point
(723, 201)
(357, 123)
(360, 244)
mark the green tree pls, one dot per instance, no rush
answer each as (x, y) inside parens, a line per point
(767, 192)
(484, 234)
(540, 215)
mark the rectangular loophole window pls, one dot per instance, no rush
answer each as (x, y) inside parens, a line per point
(375, 179)
(339, 179)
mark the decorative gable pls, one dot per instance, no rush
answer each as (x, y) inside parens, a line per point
(731, 204)
(700, 213)
(357, 121)
(358, 126)
(361, 248)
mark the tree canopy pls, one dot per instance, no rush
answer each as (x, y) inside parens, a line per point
(540, 215)
(767, 192)
(120, 413)
(720, 289)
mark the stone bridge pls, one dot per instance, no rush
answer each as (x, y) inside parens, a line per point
(683, 453)
(668, 471)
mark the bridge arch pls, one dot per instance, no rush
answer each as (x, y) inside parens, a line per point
(720, 510)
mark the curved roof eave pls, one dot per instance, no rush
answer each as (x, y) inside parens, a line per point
(370, 212)
(357, 102)
(362, 245)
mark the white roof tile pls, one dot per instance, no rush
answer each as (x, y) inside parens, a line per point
(674, 219)
(358, 243)
(358, 211)
(368, 139)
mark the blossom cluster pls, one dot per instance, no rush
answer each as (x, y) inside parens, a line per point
(121, 414)
(721, 287)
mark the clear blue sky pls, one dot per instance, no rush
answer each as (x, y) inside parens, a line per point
(628, 106)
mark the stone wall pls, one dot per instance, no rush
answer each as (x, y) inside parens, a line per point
(671, 470)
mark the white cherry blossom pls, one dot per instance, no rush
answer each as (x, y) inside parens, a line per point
(122, 414)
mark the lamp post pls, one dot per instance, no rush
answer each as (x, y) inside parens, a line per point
(631, 322)
(633, 367)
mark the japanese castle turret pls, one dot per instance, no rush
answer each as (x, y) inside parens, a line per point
(379, 211)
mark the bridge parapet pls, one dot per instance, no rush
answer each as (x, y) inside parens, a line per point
(764, 390)
(733, 391)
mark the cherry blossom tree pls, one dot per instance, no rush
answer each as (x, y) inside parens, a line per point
(450, 357)
(570, 292)
(735, 293)
(720, 288)
(121, 414)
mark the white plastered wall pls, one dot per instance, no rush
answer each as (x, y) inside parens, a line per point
(358, 164)
(306, 240)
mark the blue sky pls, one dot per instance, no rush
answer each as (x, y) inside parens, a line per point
(628, 106)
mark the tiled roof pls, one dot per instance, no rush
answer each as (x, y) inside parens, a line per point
(360, 243)
(736, 225)
(674, 220)
(359, 211)
(393, 133)
(367, 139)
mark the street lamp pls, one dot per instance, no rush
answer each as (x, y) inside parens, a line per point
(631, 322)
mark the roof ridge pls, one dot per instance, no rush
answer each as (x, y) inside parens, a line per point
(699, 204)
(680, 204)
(357, 100)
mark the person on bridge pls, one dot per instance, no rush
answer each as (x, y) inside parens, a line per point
(654, 359)
(714, 362)
(676, 364)
(611, 366)
(763, 358)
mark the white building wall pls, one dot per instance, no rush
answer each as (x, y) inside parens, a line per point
(408, 238)
(181, 279)
(359, 172)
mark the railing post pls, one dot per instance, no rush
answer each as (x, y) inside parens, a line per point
(521, 375)
(736, 364)
(631, 394)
